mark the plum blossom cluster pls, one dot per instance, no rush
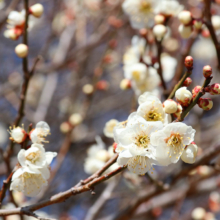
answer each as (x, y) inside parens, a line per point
(34, 162)
(149, 138)
(16, 21)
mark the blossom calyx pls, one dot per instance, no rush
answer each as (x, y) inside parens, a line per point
(185, 17)
(183, 96)
(18, 134)
(21, 50)
(188, 62)
(36, 10)
(196, 90)
(214, 89)
(187, 82)
(207, 71)
(205, 103)
(159, 31)
(170, 106)
(189, 153)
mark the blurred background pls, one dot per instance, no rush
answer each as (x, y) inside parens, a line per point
(81, 44)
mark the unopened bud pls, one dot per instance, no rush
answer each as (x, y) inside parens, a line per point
(214, 201)
(207, 71)
(75, 119)
(197, 24)
(205, 103)
(88, 89)
(183, 96)
(185, 31)
(159, 19)
(36, 10)
(214, 89)
(188, 62)
(102, 85)
(143, 32)
(170, 106)
(179, 111)
(125, 84)
(159, 31)
(196, 90)
(185, 17)
(21, 50)
(198, 213)
(205, 33)
(189, 153)
(216, 22)
(113, 43)
(65, 127)
(187, 82)
(11, 34)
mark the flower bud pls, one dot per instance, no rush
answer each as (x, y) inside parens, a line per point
(216, 22)
(115, 146)
(159, 31)
(196, 90)
(65, 127)
(125, 84)
(198, 213)
(205, 33)
(187, 82)
(185, 17)
(205, 103)
(36, 10)
(102, 155)
(197, 24)
(109, 127)
(183, 96)
(159, 19)
(88, 89)
(11, 34)
(188, 62)
(214, 201)
(189, 153)
(170, 106)
(179, 111)
(18, 135)
(143, 32)
(207, 71)
(21, 50)
(214, 89)
(185, 31)
(75, 119)
(102, 85)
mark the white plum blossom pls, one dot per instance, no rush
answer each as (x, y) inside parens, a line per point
(183, 96)
(30, 181)
(18, 134)
(38, 134)
(35, 157)
(171, 141)
(140, 12)
(16, 18)
(109, 127)
(138, 153)
(189, 153)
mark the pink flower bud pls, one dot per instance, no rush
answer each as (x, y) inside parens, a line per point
(189, 62)
(196, 90)
(183, 96)
(102, 85)
(207, 71)
(205, 103)
(170, 106)
(125, 84)
(187, 82)
(179, 111)
(214, 89)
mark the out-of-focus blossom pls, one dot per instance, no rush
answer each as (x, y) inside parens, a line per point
(109, 128)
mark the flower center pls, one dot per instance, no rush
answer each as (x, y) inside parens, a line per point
(142, 141)
(153, 115)
(136, 75)
(145, 6)
(27, 175)
(33, 157)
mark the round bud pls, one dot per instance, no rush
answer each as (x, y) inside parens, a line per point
(185, 17)
(159, 19)
(125, 84)
(113, 43)
(170, 106)
(11, 34)
(196, 90)
(143, 32)
(198, 213)
(214, 89)
(102, 85)
(189, 153)
(179, 111)
(205, 103)
(188, 62)
(36, 10)
(216, 22)
(187, 82)
(183, 96)
(185, 31)
(75, 119)
(205, 33)
(88, 89)
(197, 24)
(21, 50)
(65, 127)
(207, 71)
(159, 31)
